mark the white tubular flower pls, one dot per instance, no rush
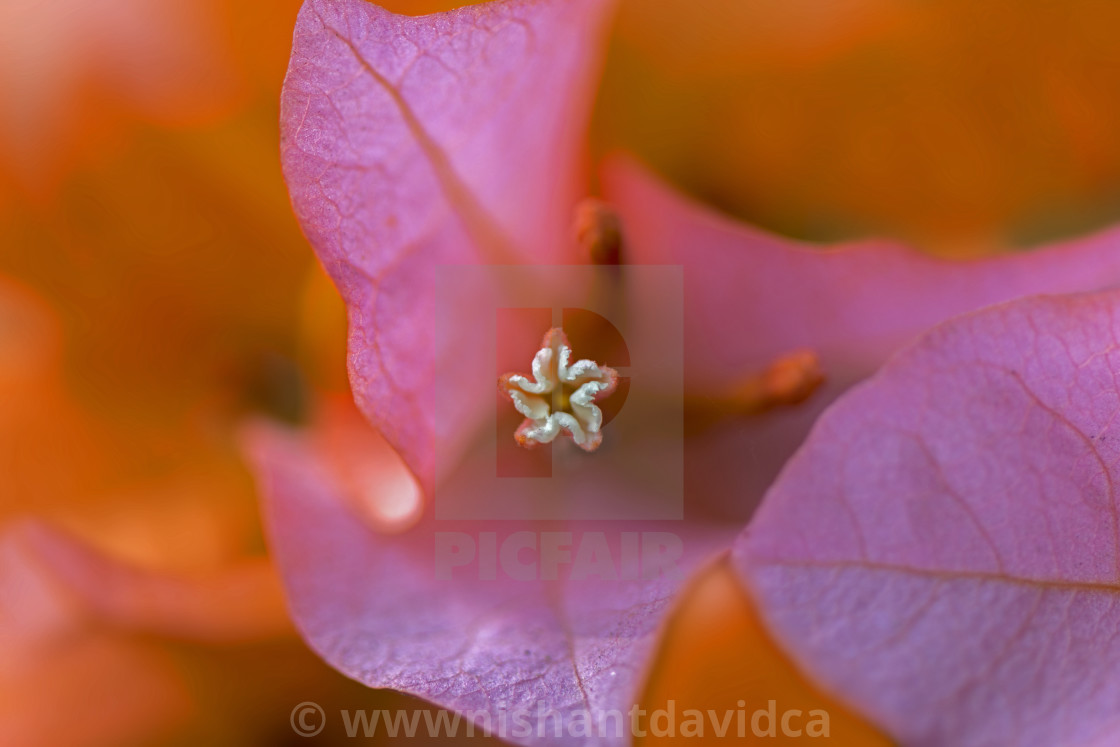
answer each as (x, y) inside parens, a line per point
(560, 397)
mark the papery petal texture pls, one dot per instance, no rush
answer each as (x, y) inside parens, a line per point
(372, 604)
(944, 551)
(413, 143)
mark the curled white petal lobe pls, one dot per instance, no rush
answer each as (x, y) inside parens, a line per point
(561, 397)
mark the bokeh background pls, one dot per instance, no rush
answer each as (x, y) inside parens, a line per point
(155, 292)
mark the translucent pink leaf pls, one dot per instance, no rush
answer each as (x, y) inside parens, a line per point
(413, 143)
(371, 603)
(751, 296)
(944, 551)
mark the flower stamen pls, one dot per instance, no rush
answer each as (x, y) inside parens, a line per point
(598, 231)
(788, 381)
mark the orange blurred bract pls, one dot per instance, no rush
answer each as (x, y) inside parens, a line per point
(72, 72)
(953, 124)
(138, 191)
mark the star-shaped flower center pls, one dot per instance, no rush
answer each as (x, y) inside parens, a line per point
(560, 397)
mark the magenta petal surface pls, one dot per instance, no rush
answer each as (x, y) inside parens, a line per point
(943, 552)
(413, 143)
(751, 296)
(372, 606)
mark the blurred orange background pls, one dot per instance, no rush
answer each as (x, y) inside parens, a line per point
(155, 291)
